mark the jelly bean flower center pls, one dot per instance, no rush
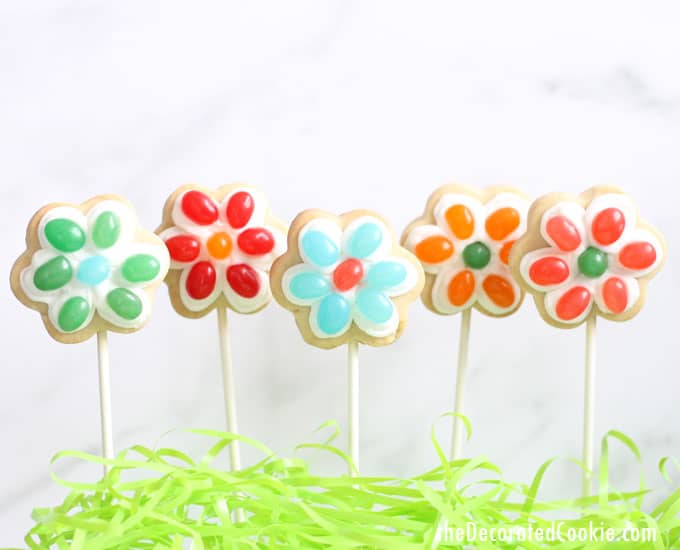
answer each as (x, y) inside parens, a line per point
(93, 270)
(593, 262)
(348, 274)
(219, 245)
(476, 255)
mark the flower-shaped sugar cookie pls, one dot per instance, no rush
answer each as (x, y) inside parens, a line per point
(463, 241)
(346, 279)
(587, 255)
(222, 244)
(89, 268)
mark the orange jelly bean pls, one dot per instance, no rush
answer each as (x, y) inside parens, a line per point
(502, 222)
(499, 290)
(219, 246)
(573, 303)
(434, 249)
(504, 254)
(460, 220)
(615, 294)
(461, 288)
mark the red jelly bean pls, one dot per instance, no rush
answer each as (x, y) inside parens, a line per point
(244, 280)
(608, 226)
(199, 207)
(348, 274)
(549, 271)
(201, 280)
(563, 232)
(639, 255)
(256, 241)
(573, 303)
(615, 294)
(239, 209)
(183, 248)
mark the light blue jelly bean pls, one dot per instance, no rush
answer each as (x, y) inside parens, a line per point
(93, 270)
(319, 248)
(333, 314)
(374, 305)
(365, 240)
(307, 286)
(385, 275)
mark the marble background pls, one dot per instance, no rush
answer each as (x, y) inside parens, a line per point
(337, 105)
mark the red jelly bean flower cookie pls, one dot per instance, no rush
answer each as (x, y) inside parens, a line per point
(463, 242)
(222, 244)
(587, 255)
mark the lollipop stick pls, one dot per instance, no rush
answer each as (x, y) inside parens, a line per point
(461, 373)
(228, 382)
(589, 407)
(353, 401)
(105, 396)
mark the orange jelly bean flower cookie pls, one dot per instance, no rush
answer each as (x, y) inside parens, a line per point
(463, 241)
(587, 255)
(222, 244)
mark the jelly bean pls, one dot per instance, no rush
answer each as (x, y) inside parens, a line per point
(434, 249)
(201, 280)
(140, 268)
(219, 245)
(365, 240)
(504, 253)
(476, 255)
(199, 208)
(309, 285)
(183, 248)
(244, 280)
(499, 290)
(460, 220)
(239, 209)
(256, 241)
(549, 271)
(53, 274)
(73, 313)
(592, 262)
(615, 294)
(106, 230)
(348, 274)
(608, 226)
(65, 235)
(461, 287)
(385, 275)
(573, 303)
(93, 270)
(563, 233)
(319, 248)
(502, 222)
(333, 314)
(374, 305)
(124, 303)
(637, 255)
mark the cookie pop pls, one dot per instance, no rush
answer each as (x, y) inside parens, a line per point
(89, 269)
(582, 257)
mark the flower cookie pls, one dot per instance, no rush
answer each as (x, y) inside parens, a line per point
(222, 244)
(88, 268)
(346, 278)
(463, 241)
(587, 255)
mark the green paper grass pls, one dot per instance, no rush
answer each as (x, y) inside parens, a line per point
(174, 502)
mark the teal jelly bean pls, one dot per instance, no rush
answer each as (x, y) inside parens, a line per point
(385, 275)
(93, 270)
(365, 240)
(374, 305)
(319, 248)
(333, 314)
(307, 286)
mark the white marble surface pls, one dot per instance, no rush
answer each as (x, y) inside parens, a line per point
(338, 105)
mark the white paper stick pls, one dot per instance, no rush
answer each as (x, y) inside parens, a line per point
(228, 382)
(105, 396)
(461, 374)
(353, 401)
(589, 407)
